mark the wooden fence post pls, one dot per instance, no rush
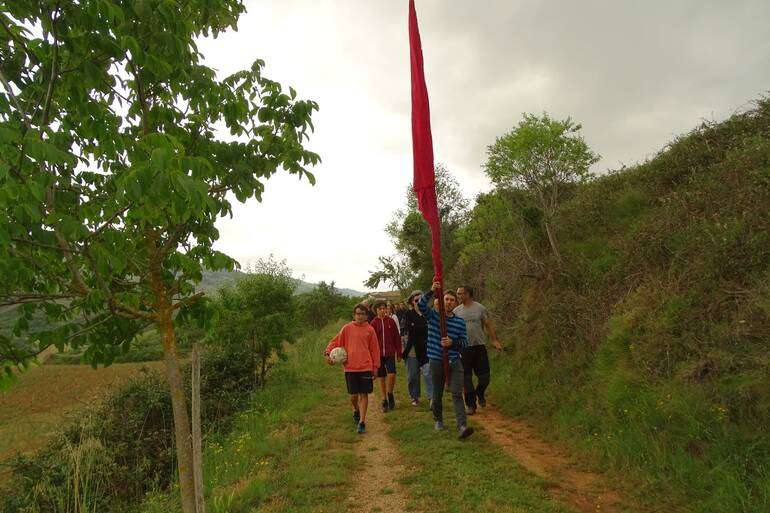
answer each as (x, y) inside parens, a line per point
(200, 506)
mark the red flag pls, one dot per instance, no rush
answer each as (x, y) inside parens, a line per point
(422, 144)
(424, 174)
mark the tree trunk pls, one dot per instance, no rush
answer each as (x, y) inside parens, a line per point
(527, 251)
(165, 325)
(552, 241)
(184, 458)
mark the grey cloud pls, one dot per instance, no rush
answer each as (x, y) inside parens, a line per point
(634, 73)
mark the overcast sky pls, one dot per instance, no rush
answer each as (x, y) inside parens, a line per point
(635, 74)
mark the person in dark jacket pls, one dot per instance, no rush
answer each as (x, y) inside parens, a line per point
(389, 338)
(415, 332)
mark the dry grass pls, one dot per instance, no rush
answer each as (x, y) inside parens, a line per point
(44, 397)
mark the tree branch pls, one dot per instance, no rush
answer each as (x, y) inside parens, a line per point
(129, 311)
(142, 98)
(17, 299)
(54, 71)
(46, 246)
(109, 221)
(187, 301)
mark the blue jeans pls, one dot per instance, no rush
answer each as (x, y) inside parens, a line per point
(413, 371)
(455, 388)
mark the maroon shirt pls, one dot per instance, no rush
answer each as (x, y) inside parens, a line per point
(388, 336)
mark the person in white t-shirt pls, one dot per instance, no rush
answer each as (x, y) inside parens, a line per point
(475, 358)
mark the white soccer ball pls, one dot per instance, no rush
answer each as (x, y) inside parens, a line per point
(338, 355)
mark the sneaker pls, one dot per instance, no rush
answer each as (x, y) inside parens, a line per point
(439, 426)
(384, 406)
(391, 402)
(470, 411)
(361, 428)
(415, 402)
(356, 417)
(465, 432)
(482, 402)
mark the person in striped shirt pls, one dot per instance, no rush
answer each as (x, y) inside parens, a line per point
(455, 341)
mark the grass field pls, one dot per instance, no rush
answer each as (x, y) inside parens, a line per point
(44, 397)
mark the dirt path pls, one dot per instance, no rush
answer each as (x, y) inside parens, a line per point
(584, 490)
(376, 487)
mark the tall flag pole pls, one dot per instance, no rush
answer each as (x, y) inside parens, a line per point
(424, 174)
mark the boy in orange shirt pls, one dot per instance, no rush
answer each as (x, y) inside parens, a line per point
(359, 340)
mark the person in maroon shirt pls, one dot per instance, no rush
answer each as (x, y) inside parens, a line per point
(389, 339)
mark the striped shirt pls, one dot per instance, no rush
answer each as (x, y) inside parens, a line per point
(455, 327)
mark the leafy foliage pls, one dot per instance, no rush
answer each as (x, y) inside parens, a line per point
(323, 304)
(253, 319)
(394, 270)
(113, 166)
(541, 155)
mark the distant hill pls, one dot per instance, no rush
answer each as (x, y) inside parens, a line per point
(214, 280)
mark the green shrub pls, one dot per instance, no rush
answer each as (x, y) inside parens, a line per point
(127, 443)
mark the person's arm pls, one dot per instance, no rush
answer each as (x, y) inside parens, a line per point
(337, 341)
(397, 340)
(423, 303)
(458, 339)
(492, 333)
(462, 339)
(374, 350)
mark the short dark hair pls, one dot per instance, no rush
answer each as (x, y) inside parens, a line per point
(468, 290)
(451, 293)
(360, 306)
(378, 304)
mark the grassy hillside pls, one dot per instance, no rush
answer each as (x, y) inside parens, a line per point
(648, 348)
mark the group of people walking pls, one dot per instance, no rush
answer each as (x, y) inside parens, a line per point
(378, 337)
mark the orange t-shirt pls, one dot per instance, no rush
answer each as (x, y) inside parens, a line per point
(360, 343)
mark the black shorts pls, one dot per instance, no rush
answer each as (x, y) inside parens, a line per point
(359, 382)
(387, 366)
(475, 359)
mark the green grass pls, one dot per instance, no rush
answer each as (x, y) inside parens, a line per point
(666, 443)
(290, 451)
(447, 475)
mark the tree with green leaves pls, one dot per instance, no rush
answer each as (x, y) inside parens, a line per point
(254, 318)
(411, 236)
(541, 155)
(119, 150)
(394, 270)
(321, 305)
